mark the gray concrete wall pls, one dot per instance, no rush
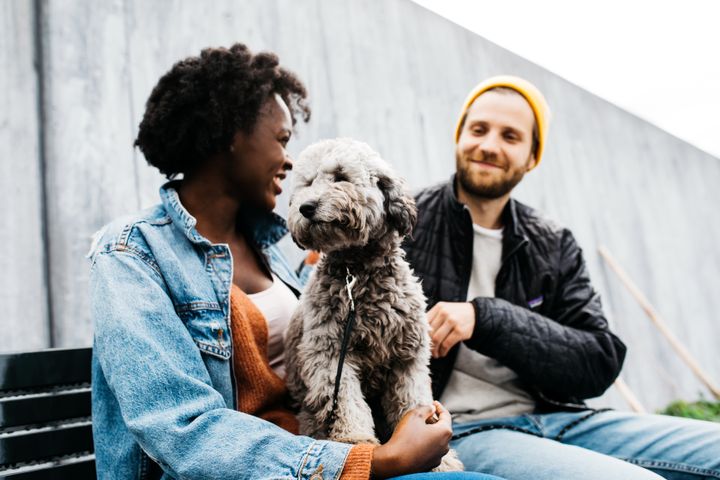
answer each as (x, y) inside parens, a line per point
(385, 71)
(23, 280)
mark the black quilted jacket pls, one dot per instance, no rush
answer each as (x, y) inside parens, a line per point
(546, 322)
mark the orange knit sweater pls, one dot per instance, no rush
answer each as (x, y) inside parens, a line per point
(260, 391)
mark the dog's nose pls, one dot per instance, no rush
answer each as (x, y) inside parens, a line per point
(308, 209)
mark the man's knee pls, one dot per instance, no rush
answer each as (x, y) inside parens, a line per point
(519, 456)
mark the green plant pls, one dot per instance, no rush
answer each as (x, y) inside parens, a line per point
(700, 410)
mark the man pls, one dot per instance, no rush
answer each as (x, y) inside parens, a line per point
(519, 336)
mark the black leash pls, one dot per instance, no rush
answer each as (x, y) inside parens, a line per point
(349, 323)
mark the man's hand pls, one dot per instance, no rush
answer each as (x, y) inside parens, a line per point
(450, 323)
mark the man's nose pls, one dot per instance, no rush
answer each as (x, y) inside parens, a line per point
(490, 144)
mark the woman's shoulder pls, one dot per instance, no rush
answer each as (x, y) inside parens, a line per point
(129, 232)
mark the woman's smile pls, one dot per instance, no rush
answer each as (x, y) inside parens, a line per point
(277, 181)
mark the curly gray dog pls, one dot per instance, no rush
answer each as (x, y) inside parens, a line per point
(348, 204)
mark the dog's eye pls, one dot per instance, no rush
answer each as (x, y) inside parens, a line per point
(340, 177)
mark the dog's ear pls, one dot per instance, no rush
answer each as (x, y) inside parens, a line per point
(399, 206)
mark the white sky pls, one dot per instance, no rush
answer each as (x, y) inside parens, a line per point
(658, 59)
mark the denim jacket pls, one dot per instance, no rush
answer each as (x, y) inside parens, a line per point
(162, 376)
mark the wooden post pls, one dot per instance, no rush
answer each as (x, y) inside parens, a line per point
(629, 396)
(660, 323)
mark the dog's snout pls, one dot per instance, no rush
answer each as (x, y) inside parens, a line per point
(308, 209)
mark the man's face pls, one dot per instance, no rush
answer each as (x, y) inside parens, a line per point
(494, 150)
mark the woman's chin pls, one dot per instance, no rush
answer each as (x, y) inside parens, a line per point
(267, 202)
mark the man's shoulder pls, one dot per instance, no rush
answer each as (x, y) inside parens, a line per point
(537, 223)
(430, 217)
(429, 200)
(431, 195)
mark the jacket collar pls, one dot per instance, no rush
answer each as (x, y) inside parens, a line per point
(513, 237)
(267, 228)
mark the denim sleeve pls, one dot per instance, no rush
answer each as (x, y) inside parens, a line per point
(160, 381)
(304, 271)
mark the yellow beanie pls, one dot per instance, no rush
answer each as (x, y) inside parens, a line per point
(526, 89)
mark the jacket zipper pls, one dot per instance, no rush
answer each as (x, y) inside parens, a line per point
(505, 259)
(515, 250)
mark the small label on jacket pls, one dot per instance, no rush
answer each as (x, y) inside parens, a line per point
(535, 302)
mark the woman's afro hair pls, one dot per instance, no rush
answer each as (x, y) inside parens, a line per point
(197, 107)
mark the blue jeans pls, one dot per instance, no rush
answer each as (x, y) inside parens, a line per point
(447, 476)
(591, 445)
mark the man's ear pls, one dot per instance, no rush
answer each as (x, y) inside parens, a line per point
(400, 208)
(532, 162)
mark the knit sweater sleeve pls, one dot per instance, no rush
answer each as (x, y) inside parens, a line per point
(358, 462)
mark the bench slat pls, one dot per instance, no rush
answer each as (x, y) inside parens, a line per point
(79, 470)
(45, 444)
(43, 408)
(45, 368)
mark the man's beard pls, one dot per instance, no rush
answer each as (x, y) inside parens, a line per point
(484, 188)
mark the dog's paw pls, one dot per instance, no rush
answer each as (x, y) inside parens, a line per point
(450, 463)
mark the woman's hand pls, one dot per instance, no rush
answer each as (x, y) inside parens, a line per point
(416, 445)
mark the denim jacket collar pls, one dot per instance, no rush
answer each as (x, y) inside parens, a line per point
(268, 227)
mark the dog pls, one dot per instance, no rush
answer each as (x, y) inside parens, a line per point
(348, 204)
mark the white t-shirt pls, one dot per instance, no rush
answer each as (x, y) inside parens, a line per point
(277, 304)
(487, 258)
(480, 387)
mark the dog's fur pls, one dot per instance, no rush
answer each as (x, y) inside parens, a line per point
(362, 213)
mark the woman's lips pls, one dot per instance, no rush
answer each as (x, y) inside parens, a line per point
(277, 180)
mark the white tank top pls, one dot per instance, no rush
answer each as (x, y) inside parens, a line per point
(277, 304)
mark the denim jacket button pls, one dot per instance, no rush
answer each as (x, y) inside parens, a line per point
(317, 474)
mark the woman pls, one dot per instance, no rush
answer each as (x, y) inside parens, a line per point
(190, 298)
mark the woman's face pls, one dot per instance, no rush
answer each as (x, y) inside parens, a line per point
(259, 161)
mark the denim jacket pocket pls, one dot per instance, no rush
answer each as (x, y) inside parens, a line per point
(206, 323)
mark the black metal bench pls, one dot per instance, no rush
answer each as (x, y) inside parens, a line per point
(45, 422)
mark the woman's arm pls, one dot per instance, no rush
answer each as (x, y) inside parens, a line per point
(164, 391)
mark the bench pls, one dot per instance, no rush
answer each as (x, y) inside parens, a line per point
(45, 417)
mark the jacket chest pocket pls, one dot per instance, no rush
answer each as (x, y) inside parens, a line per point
(540, 293)
(207, 326)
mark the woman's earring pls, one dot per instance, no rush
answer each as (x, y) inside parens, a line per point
(232, 148)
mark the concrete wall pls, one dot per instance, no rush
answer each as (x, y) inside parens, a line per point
(23, 275)
(385, 71)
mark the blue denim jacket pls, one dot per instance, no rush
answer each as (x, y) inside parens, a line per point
(162, 378)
